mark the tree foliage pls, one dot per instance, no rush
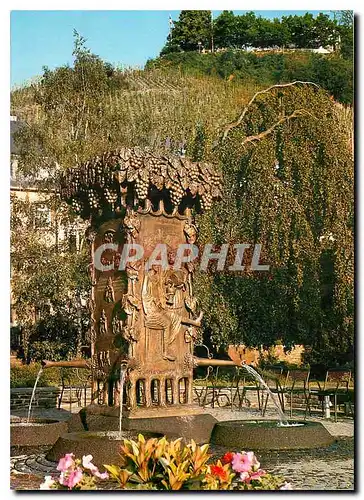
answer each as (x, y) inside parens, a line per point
(291, 191)
(333, 73)
(48, 280)
(193, 29)
(239, 31)
(346, 31)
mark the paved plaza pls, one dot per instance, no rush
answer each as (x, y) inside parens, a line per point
(331, 468)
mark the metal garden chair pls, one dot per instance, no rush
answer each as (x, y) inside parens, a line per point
(336, 387)
(298, 383)
(277, 383)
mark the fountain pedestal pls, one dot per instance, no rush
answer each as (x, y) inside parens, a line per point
(188, 421)
(36, 431)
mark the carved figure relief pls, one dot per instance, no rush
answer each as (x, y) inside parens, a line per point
(132, 224)
(109, 295)
(156, 315)
(190, 231)
(109, 236)
(103, 324)
(190, 334)
(164, 294)
(116, 325)
(132, 272)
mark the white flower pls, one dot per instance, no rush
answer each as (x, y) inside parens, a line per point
(286, 486)
(62, 479)
(86, 463)
(48, 483)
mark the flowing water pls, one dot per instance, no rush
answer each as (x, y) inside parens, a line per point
(121, 396)
(33, 393)
(282, 417)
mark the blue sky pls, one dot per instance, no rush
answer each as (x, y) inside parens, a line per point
(44, 38)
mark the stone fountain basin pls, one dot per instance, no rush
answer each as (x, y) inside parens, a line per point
(104, 446)
(267, 435)
(36, 432)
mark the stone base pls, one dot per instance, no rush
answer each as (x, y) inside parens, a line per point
(39, 432)
(266, 435)
(104, 446)
(188, 422)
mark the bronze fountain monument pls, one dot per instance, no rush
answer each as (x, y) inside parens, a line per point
(144, 318)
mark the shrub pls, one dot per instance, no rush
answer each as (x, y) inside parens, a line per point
(53, 337)
(25, 376)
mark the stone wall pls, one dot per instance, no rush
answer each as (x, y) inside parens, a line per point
(294, 356)
(45, 397)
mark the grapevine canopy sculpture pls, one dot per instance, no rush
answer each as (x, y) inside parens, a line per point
(145, 319)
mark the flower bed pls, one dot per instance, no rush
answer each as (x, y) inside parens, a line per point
(159, 464)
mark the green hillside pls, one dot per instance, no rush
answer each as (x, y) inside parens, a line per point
(332, 72)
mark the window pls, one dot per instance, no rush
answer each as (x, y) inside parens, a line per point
(140, 392)
(155, 391)
(169, 391)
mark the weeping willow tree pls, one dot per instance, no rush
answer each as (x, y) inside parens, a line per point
(289, 185)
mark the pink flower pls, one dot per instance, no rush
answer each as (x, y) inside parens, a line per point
(286, 486)
(257, 474)
(70, 479)
(244, 462)
(66, 462)
(74, 478)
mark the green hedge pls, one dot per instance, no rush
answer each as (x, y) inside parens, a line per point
(25, 376)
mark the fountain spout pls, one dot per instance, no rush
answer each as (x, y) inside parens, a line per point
(213, 362)
(76, 363)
